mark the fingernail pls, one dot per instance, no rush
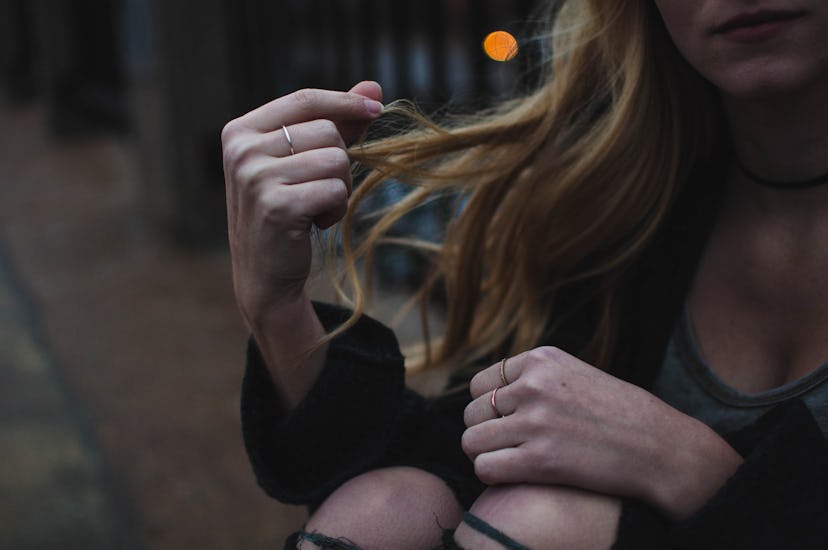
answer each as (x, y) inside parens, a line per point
(374, 107)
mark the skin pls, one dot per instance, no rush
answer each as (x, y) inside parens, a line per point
(773, 90)
(759, 302)
(774, 94)
(544, 517)
(568, 423)
(573, 437)
(273, 201)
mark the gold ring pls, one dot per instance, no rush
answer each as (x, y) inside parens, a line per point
(494, 403)
(289, 141)
(503, 372)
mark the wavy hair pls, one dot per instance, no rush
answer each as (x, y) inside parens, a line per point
(563, 185)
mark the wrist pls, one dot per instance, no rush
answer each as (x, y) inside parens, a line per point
(261, 306)
(289, 337)
(699, 463)
(279, 313)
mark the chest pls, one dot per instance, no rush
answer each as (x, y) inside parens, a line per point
(759, 302)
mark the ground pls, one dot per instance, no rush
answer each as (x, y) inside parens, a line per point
(120, 365)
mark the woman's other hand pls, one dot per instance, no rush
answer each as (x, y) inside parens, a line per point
(567, 423)
(281, 183)
(286, 169)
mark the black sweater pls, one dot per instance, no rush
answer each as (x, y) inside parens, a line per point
(359, 415)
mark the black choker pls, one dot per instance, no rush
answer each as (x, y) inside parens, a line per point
(775, 184)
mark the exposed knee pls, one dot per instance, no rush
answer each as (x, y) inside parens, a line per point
(543, 517)
(389, 508)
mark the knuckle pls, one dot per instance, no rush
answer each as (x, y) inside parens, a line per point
(274, 205)
(550, 466)
(534, 356)
(336, 192)
(307, 99)
(230, 130)
(338, 159)
(548, 354)
(531, 382)
(328, 131)
(536, 420)
(251, 175)
(236, 152)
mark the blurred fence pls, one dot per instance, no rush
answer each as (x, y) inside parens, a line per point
(68, 54)
(426, 49)
(174, 72)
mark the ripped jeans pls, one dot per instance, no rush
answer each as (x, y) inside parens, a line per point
(328, 543)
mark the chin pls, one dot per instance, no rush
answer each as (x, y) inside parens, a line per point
(766, 82)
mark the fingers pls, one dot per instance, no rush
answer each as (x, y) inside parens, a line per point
(286, 169)
(318, 164)
(305, 121)
(515, 367)
(369, 89)
(322, 202)
(483, 408)
(499, 433)
(312, 104)
(249, 156)
(311, 187)
(504, 465)
(306, 136)
(293, 209)
(351, 130)
(492, 377)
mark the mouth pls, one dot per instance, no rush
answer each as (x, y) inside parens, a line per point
(757, 19)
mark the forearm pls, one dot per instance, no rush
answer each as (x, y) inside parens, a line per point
(291, 451)
(289, 338)
(697, 465)
(776, 498)
(277, 194)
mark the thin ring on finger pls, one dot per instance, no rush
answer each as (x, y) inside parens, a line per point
(289, 140)
(503, 372)
(494, 403)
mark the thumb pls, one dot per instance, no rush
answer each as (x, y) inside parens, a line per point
(369, 89)
(351, 129)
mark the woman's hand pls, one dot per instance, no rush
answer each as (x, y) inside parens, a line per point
(282, 183)
(286, 169)
(567, 423)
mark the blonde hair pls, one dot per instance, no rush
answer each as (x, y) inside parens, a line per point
(563, 186)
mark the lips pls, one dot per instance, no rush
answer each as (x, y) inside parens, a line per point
(749, 20)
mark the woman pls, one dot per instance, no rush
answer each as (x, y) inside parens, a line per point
(655, 211)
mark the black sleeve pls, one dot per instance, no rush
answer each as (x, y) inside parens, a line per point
(357, 416)
(778, 498)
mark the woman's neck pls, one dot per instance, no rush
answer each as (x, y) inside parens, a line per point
(784, 139)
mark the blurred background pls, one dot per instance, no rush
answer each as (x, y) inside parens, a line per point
(121, 349)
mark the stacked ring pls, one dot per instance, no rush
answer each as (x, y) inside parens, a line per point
(494, 391)
(503, 372)
(494, 403)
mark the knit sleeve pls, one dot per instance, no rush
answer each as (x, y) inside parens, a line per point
(778, 498)
(357, 416)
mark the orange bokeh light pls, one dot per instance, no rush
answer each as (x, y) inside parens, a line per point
(500, 46)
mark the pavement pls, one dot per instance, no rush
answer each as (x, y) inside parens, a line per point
(120, 364)
(53, 477)
(121, 358)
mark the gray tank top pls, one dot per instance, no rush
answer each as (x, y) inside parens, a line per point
(689, 385)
